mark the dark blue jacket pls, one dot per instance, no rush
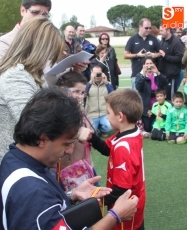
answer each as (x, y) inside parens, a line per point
(143, 85)
(31, 197)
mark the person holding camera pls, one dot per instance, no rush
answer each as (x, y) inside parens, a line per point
(147, 82)
(97, 88)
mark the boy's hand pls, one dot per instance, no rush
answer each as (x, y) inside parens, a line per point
(167, 136)
(149, 113)
(184, 81)
(85, 134)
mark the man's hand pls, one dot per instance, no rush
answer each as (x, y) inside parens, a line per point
(85, 134)
(162, 53)
(141, 53)
(86, 189)
(80, 67)
(125, 206)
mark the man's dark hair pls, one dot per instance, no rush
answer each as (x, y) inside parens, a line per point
(160, 91)
(49, 112)
(178, 95)
(28, 3)
(70, 79)
(76, 27)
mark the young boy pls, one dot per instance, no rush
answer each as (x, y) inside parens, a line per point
(125, 151)
(176, 121)
(159, 113)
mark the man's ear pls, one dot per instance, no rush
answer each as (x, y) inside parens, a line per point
(43, 140)
(22, 10)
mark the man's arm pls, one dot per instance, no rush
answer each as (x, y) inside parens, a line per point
(124, 207)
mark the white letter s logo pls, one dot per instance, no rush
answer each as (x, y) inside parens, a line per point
(167, 13)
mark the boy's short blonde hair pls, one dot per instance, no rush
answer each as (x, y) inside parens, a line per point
(127, 101)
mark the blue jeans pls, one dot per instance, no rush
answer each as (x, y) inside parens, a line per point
(179, 79)
(133, 82)
(102, 124)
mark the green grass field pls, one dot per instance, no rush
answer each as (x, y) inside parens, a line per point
(166, 181)
(120, 53)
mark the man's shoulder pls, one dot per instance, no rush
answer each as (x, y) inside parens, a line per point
(133, 37)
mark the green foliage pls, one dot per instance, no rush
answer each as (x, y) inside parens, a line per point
(72, 21)
(126, 16)
(88, 36)
(9, 14)
(121, 15)
(154, 13)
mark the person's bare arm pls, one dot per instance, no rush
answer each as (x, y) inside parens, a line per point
(129, 55)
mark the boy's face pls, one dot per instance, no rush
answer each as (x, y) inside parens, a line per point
(178, 102)
(160, 97)
(113, 119)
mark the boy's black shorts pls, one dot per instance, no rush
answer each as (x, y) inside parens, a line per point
(173, 136)
(158, 134)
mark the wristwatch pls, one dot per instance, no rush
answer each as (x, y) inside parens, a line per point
(69, 193)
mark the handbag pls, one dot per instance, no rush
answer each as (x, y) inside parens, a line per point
(74, 174)
(84, 214)
(118, 70)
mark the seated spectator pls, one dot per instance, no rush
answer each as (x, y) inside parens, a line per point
(147, 82)
(176, 121)
(97, 88)
(107, 65)
(159, 113)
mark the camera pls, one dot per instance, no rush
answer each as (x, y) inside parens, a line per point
(149, 67)
(98, 74)
(143, 51)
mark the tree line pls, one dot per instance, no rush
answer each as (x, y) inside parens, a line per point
(128, 16)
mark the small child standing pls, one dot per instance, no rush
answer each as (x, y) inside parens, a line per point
(176, 121)
(159, 113)
(125, 151)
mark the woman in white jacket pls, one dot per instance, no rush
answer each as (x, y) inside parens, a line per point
(21, 71)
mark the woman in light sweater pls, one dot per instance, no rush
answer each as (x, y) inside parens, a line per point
(21, 71)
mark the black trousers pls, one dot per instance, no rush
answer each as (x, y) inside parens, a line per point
(158, 135)
(171, 88)
(147, 123)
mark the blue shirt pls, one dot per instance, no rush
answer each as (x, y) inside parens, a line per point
(31, 198)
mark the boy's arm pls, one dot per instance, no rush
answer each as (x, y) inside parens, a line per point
(99, 145)
(114, 195)
(168, 122)
(121, 173)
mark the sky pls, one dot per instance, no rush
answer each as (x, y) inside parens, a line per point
(84, 9)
